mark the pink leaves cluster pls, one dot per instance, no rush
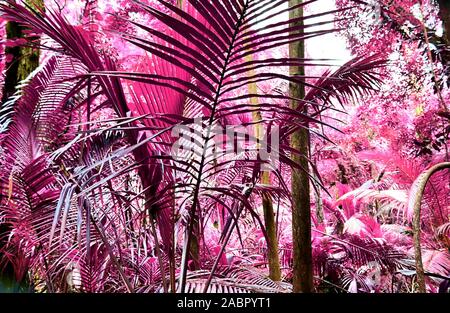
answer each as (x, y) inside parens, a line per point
(404, 112)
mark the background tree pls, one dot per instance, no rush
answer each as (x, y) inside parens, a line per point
(22, 60)
(301, 207)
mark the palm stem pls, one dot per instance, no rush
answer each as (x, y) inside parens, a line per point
(301, 207)
(267, 204)
(422, 180)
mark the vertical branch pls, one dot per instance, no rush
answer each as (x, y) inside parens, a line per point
(301, 207)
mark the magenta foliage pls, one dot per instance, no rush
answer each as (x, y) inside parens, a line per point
(93, 199)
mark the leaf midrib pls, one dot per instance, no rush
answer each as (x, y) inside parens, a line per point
(208, 137)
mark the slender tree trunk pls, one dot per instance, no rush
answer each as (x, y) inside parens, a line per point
(422, 182)
(269, 216)
(194, 248)
(271, 229)
(301, 207)
(24, 59)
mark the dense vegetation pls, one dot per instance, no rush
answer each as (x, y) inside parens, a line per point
(203, 146)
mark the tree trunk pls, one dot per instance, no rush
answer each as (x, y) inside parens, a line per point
(301, 207)
(271, 229)
(194, 247)
(24, 59)
(267, 204)
(269, 216)
(421, 182)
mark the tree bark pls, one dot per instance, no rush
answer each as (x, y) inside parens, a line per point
(422, 182)
(301, 207)
(267, 204)
(194, 247)
(24, 59)
(271, 229)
